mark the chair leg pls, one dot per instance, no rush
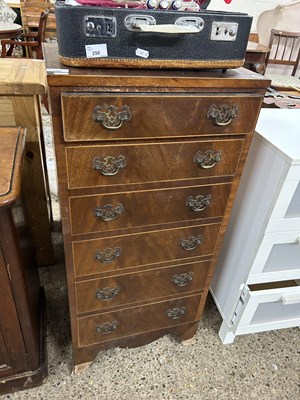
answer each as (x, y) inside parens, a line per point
(45, 102)
(6, 52)
(10, 50)
(3, 51)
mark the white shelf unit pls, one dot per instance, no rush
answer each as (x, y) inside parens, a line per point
(256, 285)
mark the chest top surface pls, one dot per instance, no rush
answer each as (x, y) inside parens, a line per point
(205, 80)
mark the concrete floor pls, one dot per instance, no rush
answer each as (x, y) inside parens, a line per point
(263, 366)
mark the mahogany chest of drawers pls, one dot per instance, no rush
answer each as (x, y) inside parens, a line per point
(148, 166)
(23, 356)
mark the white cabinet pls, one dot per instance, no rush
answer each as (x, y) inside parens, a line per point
(256, 285)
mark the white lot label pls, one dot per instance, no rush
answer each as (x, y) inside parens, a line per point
(142, 53)
(96, 50)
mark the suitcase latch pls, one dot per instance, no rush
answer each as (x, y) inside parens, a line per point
(224, 31)
(100, 26)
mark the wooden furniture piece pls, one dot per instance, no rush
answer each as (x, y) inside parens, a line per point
(30, 13)
(256, 282)
(255, 57)
(148, 166)
(285, 52)
(32, 42)
(13, 4)
(284, 49)
(9, 31)
(22, 322)
(253, 37)
(22, 81)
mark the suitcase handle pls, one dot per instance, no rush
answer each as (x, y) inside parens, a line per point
(169, 28)
(147, 23)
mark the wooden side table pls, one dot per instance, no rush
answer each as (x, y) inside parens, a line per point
(21, 83)
(10, 31)
(256, 55)
(22, 319)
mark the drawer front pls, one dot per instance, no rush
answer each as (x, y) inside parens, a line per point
(277, 258)
(286, 212)
(110, 117)
(128, 251)
(90, 166)
(99, 294)
(132, 321)
(294, 172)
(271, 308)
(109, 212)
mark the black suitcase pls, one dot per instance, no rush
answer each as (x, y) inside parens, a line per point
(91, 36)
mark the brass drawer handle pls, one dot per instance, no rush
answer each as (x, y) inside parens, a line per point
(222, 115)
(109, 212)
(108, 255)
(107, 293)
(177, 312)
(109, 166)
(107, 327)
(182, 279)
(208, 159)
(111, 117)
(191, 242)
(198, 203)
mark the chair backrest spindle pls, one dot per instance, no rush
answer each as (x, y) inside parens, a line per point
(284, 49)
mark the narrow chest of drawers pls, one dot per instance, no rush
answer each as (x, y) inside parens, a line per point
(148, 166)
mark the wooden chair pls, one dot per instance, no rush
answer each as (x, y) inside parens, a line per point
(30, 13)
(31, 41)
(284, 50)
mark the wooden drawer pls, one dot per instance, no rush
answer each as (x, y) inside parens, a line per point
(133, 116)
(132, 321)
(99, 294)
(109, 212)
(90, 166)
(121, 252)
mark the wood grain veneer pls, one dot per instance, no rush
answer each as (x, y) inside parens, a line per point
(150, 162)
(135, 320)
(142, 249)
(155, 115)
(22, 320)
(138, 287)
(170, 120)
(147, 208)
